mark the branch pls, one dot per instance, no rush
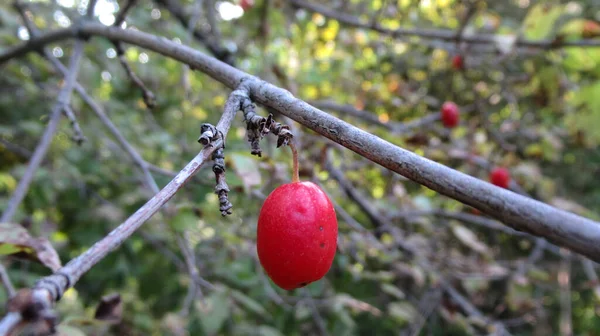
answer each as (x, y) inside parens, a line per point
(8, 286)
(564, 283)
(15, 149)
(62, 102)
(49, 290)
(147, 95)
(439, 34)
(518, 212)
(120, 18)
(471, 310)
(78, 137)
(590, 272)
(213, 47)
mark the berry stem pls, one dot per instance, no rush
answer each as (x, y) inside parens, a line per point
(295, 173)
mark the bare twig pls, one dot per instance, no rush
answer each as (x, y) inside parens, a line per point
(78, 136)
(564, 282)
(147, 95)
(590, 272)
(471, 310)
(557, 226)
(120, 18)
(212, 45)
(16, 149)
(8, 286)
(439, 34)
(315, 313)
(190, 262)
(396, 127)
(427, 305)
(191, 26)
(62, 102)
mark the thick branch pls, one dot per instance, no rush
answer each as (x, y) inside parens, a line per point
(439, 34)
(559, 227)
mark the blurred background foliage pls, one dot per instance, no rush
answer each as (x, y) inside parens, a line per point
(535, 111)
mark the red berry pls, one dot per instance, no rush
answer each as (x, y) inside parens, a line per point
(297, 235)
(246, 4)
(458, 62)
(450, 115)
(500, 177)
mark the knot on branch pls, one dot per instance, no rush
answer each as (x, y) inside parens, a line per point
(34, 307)
(258, 127)
(221, 189)
(208, 134)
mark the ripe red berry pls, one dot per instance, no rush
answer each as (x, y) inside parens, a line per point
(450, 115)
(297, 235)
(458, 62)
(500, 177)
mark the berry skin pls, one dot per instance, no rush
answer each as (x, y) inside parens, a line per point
(458, 62)
(450, 114)
(500, 177)
(296, 236)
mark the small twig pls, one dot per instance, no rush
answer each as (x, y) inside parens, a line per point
(120, 18)
(185, 73)
(212, 45)
(147, 95)
(399, 128)
(564, 282)
(315, 313)
(16, 149)
(8, 286)
(590, 272)
(471, 310)
(62, 101)
(427, 305)
(78, 136)
(190, 262)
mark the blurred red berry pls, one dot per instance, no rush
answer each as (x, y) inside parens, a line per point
(500, 177)
(450, 114)
(458, 62)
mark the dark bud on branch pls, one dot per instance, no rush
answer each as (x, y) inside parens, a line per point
(208, 133)
(221, 189)
(258, 127)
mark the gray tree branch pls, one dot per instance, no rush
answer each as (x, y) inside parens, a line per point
(560, 227)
